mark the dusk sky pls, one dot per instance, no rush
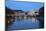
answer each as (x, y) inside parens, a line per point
(25, 6)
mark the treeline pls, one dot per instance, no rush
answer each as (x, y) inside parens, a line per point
(41, 12)
(8, 10)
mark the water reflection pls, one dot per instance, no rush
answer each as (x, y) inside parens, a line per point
(41, 22)
(33, 19)
(25, 23)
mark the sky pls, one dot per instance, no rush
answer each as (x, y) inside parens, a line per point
(25, 6)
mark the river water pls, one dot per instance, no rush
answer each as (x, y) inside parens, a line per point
(28, 23)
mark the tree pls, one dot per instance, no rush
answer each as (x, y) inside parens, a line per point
(41, 11)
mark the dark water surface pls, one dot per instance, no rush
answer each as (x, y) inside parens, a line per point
(30, 23)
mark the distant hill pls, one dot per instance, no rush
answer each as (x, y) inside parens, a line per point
(9, 10)
(18, 11)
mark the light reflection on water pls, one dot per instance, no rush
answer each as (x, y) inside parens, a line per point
(24, 23)
(34, 20)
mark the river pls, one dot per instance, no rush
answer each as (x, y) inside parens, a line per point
(28, 23)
